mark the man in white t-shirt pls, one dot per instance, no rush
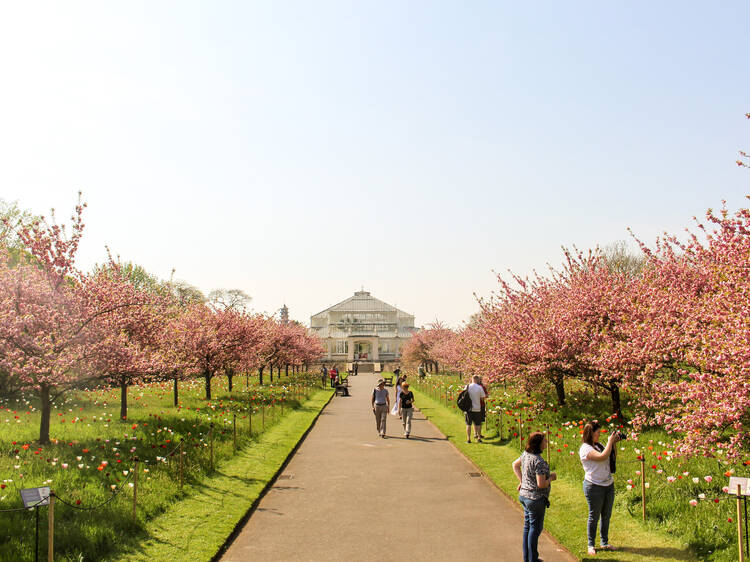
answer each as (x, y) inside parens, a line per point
(474, 415)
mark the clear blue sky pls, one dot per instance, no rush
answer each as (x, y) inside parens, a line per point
(299, 150)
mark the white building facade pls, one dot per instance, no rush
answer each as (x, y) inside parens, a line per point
(362, 329)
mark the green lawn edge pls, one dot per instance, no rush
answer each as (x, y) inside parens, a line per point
(199, 526)
(566, 518)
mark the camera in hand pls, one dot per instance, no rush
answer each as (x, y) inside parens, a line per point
(622, 435)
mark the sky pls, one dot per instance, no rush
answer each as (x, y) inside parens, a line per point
(300, 151)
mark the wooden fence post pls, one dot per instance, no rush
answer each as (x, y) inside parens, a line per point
(520, 425)
(181, 461)
(643, 487)
(135, 489)
(51, 529)
(739, 523)
(263, 416)
(211, 434)
(549, 445)
(234, 429)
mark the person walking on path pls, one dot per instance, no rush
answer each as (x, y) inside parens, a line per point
(598, 484)
(407, 408)
(474, 415)
(534, 480)
(324, 374)
(396, 411)
(380, 405)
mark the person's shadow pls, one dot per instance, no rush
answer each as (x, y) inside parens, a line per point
(660, 552)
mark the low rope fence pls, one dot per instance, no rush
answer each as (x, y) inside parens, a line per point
(300, 394)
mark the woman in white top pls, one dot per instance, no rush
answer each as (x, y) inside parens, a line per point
(598, 484)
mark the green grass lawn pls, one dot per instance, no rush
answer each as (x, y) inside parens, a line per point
(197, 527)
(660, 538)
(91, 458)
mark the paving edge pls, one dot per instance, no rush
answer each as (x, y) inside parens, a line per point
(502, 492)
(271, 481)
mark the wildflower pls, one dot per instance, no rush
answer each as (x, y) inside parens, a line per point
(707, 478)
(693, 502)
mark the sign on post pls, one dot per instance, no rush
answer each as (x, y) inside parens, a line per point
(743, 483)
(34, 497)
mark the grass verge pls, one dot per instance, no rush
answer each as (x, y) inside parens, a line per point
(197, 527)
(566, 519)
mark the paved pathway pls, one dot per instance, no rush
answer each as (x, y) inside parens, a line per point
(349, 495)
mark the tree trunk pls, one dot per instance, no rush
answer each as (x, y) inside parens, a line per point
(560, 389)
(616, 406)
(278, 371)
(46, 409)
(437, 367)
(270, 372)
(229, 377)
(260, 376)
(123, 399)
(286, 370)
(175, 392)
(208, 385)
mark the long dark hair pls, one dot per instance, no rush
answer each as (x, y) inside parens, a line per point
(534, 444)
(588, 432)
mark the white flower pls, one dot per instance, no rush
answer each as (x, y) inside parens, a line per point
(648, 485)
(696, 480)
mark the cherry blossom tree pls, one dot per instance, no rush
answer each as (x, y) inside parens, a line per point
(48, 317)
(127, 348)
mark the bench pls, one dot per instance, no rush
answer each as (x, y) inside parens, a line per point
(342, 390)
(388, 381)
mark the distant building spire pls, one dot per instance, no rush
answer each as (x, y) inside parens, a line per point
(284, 315)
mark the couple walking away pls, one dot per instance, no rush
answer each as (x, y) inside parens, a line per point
(404, 405)
(535, 478)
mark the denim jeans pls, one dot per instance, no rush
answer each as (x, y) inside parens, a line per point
(600, 499)
(533, 523)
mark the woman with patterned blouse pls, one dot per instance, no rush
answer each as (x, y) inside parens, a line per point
(534, 480)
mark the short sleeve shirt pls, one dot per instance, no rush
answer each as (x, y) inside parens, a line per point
(381, 396)
(476, 392)
(406, 399)
(531, 465)
(597, 472)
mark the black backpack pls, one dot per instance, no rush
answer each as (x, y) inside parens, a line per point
(464, 400)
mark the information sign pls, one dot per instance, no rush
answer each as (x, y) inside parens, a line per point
(34, 497)
(735, 481)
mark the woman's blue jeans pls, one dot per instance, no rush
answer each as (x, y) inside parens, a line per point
(600, 499)
(533, 523)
